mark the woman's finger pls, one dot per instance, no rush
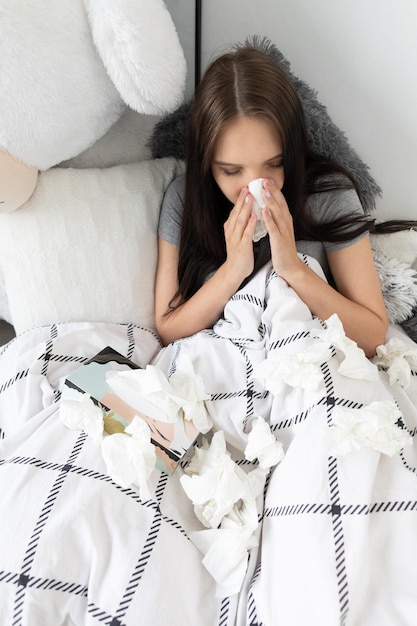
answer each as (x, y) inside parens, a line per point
(240, 213)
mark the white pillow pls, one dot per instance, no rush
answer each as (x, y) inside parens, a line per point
(84, 247)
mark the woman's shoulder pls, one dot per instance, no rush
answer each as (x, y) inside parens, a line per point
(174, 197)
(170, 218)
(176, 188)
(334, 197)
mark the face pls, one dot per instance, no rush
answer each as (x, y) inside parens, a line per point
(245, 150)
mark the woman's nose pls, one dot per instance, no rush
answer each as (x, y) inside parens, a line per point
(254, 175)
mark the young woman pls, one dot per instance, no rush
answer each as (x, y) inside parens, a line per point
(246, 122)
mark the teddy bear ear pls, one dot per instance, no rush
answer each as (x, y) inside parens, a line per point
(140, 49)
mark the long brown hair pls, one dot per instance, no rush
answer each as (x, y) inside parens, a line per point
(249, 82)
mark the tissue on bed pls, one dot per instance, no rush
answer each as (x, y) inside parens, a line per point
(95, 379)
(377, 425)
(130, 457)
(354, 364)
(255, 187)
(225, 501)
(182, 397)
(80, 413)
(398, 358)
(263, 445)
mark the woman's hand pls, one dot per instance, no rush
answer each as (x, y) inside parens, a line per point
(279, 223)
(238, 231)
(206, 306)
(357, 299)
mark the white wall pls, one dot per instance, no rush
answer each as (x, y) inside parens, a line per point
(361, 57)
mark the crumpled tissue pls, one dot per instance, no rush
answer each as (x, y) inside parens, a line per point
(225, 556)
(216, 483)
(130, 457)
(190, 387)
(377, 426)
(355, 364)
(143, 387)
(263, 445)
(398, 358)
(82, 414)
(255, 187)
(149, 391)
(301, 369)
(224, 498)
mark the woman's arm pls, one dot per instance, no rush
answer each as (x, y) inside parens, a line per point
(206, 306)
(199, 312)
(358, 299)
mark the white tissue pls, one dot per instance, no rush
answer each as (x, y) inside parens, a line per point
(149, 391)
(224, 498)
(263, 445)
(355, 364)
(398, 357)
(130, 457)
(82, 414)
(216, 483)
(146, 390)
(190, 387)
(255, 187)
(374, 426)
(225, 556)
(301, 369)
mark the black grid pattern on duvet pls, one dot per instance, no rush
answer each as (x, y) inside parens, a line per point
(25, 578)
(335, 508)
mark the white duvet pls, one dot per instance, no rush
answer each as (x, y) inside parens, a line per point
(336, 541)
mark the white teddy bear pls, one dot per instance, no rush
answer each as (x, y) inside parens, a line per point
(68, 70)
(81, 82)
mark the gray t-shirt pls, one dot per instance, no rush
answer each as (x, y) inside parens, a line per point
(325, 206)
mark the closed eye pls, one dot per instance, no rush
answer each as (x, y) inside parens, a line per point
(230, 172)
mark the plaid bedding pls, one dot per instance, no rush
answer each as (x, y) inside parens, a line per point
(337, 533)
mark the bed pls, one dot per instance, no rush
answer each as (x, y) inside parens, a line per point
(296, 503)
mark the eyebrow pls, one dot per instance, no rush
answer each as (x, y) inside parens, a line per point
(225, 163)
